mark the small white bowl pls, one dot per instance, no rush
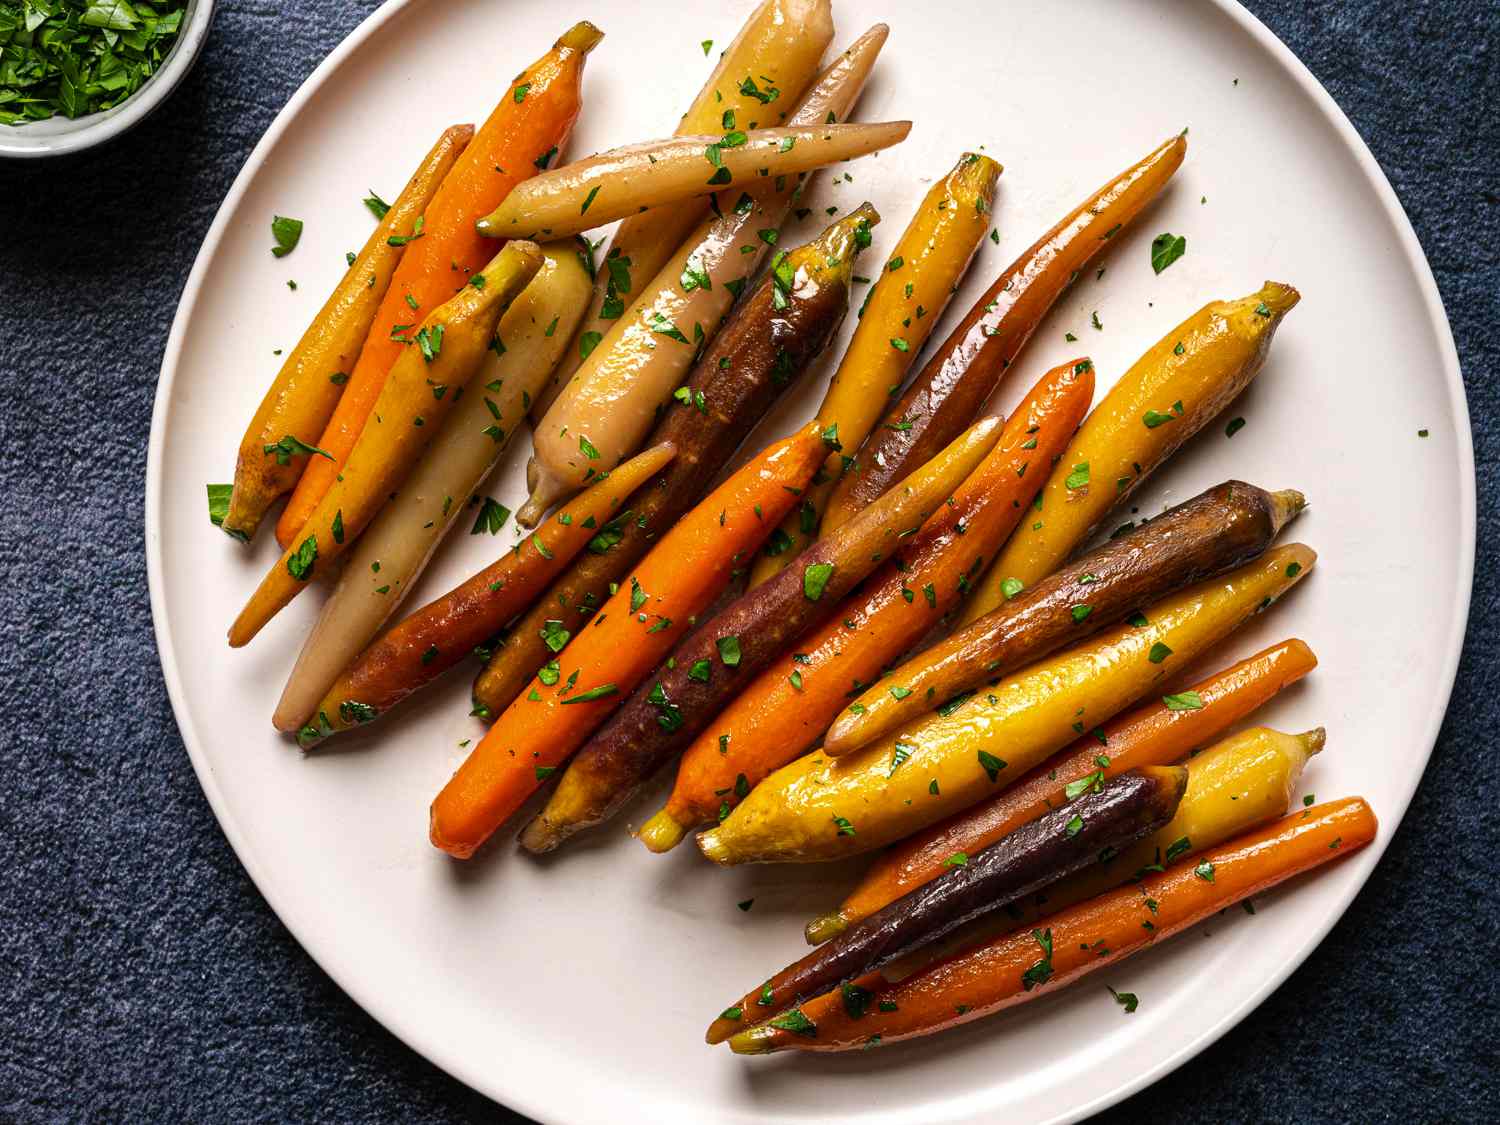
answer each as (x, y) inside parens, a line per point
(58, 135)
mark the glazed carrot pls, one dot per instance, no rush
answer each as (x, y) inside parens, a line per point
(424, 645)
(446, 351)
(672, 705)
(531, 122)
(786, 708)
(910, 294)
(1233, 786)
(634, 630)
(307, 388)
(961, 375)
(758, 79)
(623, 181)
(1022, 966)
(1215, 531)
(1033, 856)
(759, 352)
(973, 746)
(1153, 734)
(394, 550)
(1172, 391)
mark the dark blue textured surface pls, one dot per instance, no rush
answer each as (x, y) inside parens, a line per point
(122, 997)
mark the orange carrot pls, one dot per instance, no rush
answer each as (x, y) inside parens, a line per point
(631, 634)
(523, 134)
(424, 645)
(1150, 735)
(788, 706)
(1023, 965)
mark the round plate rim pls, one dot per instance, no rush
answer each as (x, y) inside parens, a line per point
(522, 1100)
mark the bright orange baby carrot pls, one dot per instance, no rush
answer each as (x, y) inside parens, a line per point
(1153, 734)
(631, 634)
(786, 709)
(523, 134)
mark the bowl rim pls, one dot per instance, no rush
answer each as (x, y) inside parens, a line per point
(26, 142)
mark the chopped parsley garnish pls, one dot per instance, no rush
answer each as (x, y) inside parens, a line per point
(1041, 972)
(797, 1023)
(1127, 1000)
(729, 651)
(856, 999)
(491, 518)
(554, 636)
(603, 691)
(378, 207)
(815, 580)
(299, 564)
(291, 446)
(1183, 701)
(287, 232)
(1166, 248)
(353, 711)
(218, 508)
(991, 764)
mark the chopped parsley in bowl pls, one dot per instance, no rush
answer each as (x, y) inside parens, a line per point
(76, 72)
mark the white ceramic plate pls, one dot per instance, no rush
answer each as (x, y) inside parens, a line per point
(574, 988)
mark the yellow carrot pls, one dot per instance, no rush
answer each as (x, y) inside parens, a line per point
(909, 297)
(1171, 392)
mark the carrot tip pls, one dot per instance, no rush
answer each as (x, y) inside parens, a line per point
(582, 36)
(662, 833)
(1313, 740)
(436, 838)
(1279, 297)
(753, 1041)
(539, 836)
(824, 927)
(710, 844)
(1286, 505)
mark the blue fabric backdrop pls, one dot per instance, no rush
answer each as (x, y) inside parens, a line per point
(126, 998)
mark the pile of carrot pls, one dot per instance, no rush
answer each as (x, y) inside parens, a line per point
(885, 631)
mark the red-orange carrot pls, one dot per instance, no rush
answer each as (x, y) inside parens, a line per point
(1076, 941)
(523, 134)
(631, 634)
(1150, 735)
(785, 710)
(424, 645)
